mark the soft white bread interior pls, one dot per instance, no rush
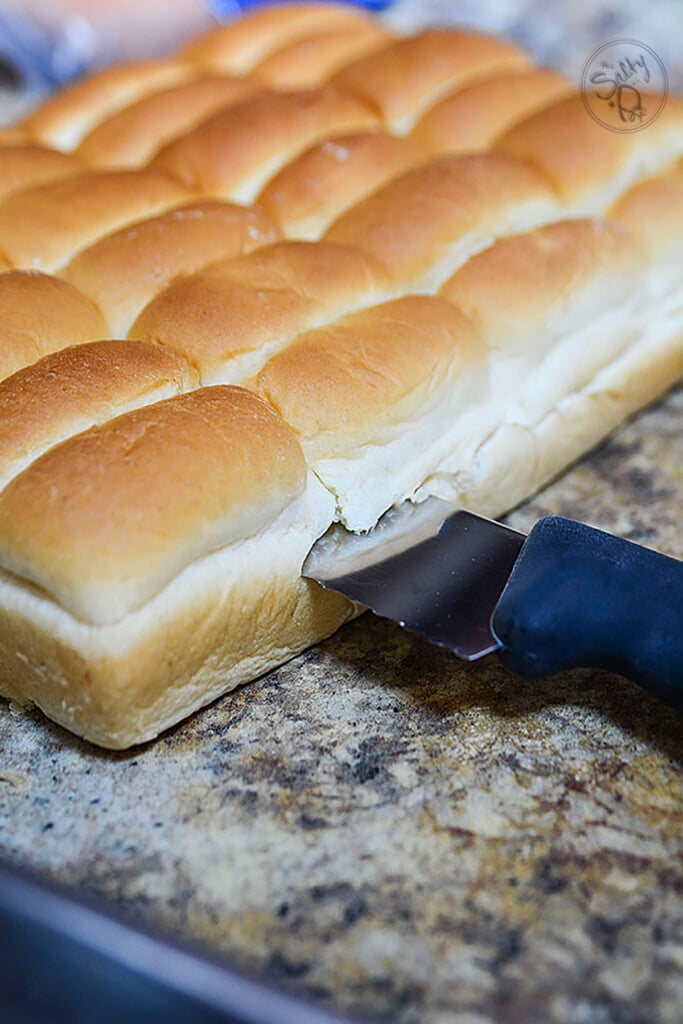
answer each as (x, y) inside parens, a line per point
(570, 298)
(470, 323)
(578, 338)
(378, 397)
(225, 620)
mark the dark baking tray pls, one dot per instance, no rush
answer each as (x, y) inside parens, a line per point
(66, 960)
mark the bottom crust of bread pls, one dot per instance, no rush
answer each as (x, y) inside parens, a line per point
(226, 619)
(240, 612)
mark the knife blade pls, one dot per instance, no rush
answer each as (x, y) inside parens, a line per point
(566, 595)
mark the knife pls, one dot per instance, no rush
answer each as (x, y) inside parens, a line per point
(565, 596)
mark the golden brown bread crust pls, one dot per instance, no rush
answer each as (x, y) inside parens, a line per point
(125, 270)
(511, 289)
(589, 165)
(237, 47)
(41, 314)
(404, 79)
(131, 137)
(23, 164)
(67, 116)
(430, 219)
(653, 213)
(235, 153)
(317, 187)
(87, 384)
(14, 136)
(341, 386)
(473, 117)
(42, 228)
(310, 61)
(79, 523)
(229, 317)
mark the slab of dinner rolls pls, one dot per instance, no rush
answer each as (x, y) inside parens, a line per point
(498, 281)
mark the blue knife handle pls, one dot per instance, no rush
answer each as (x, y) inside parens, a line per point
(580, 597)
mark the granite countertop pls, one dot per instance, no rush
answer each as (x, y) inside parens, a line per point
(394, 833)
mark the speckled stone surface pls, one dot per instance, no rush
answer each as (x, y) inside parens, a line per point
(397, 834)
(393, 833)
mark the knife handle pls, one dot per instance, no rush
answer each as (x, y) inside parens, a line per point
(580, 597)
